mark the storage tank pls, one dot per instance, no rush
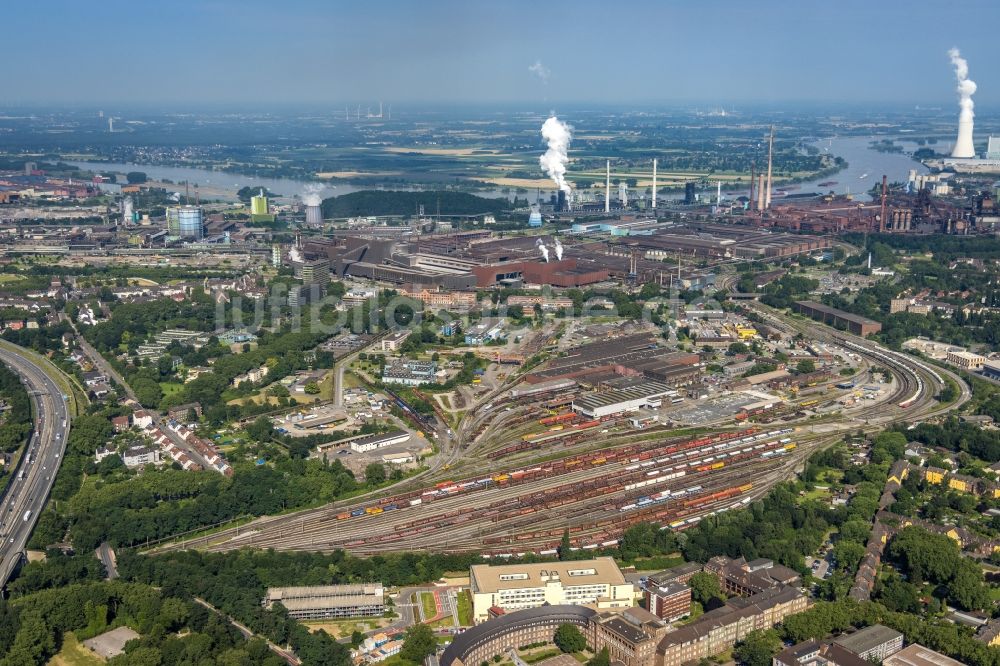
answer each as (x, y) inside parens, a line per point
(190, 222)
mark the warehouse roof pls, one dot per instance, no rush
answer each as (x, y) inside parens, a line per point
(643, 390)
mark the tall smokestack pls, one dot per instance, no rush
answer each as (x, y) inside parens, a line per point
(753, 168)
(607, 189)
(966, 89)
(654, 183)
(770, 156)
(760, 191)
(885, 189)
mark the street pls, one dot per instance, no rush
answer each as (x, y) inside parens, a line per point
(28, 491)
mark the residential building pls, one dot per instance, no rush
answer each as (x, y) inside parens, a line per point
(745, 578)
(393, 341)
(251, 376)
(140, 455)
(719, 630)
(598, 582)
(325, 601)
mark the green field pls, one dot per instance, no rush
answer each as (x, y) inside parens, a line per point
(465, 608)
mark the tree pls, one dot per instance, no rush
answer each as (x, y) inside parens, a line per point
(565, 547)
(375, 474)
(805, 366)
(261, 430)
(757, 648)
(705, 588)
(569, 639)
(136, 177)
(147, 391)
(357, 638)
(602, 658)
(418, 644)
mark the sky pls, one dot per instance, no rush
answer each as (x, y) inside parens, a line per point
(188, 53)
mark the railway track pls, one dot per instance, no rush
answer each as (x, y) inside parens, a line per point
(582, 483)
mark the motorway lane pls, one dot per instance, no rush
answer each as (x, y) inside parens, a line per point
(41, 461)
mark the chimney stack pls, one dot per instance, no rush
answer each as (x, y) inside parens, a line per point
(607, 189)
(654, 183)
(770, 155)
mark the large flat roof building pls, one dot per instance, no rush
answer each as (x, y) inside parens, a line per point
(856, 324)
(598, 582)
(322, 601)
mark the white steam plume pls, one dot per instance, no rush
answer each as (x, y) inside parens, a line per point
(545, 250)
(541, 71)
(559, 249)
(966, 86)
(311, 194)
(557, 135)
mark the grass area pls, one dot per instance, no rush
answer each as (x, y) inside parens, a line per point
(816, 494)
(74, 653)
(170, 388)
(465, 608)
(444, 623)
(658, 563)
(541, 656)
(428, 605)
(344, 628)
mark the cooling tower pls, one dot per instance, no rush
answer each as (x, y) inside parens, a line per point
(963, 144)
(314, 215)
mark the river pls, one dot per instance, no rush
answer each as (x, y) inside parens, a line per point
(865, 169)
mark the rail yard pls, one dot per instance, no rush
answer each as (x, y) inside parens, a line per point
(525, 467)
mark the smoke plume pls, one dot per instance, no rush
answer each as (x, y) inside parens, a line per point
(545, 250)
(541, 71)
(966, 86)
(311, 194)
(557, 135)
(559, 249)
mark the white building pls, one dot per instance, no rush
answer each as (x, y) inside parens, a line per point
(598, 583)
(137, 456)
(373, 442)
(648, 395)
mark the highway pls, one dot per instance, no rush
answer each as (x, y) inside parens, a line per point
(27, 494)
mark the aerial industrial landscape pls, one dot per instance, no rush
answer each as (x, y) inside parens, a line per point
(447, 355)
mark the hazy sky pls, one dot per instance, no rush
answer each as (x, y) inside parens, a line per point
(186, 52)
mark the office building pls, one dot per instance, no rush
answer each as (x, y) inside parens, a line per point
(873, 643)
(814, 653)
(598, 583)
(916, 654)
(668, 602)
(315, 271)
(965, 360)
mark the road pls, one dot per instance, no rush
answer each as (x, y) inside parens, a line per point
(285, 654)
(109, 370)
(26, 496)
(106, 555)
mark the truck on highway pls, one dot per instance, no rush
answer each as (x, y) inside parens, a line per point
(27, 514)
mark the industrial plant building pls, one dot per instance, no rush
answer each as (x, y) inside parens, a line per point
(646, 395)
(328, 601)
(598, 582)
(853, 323)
